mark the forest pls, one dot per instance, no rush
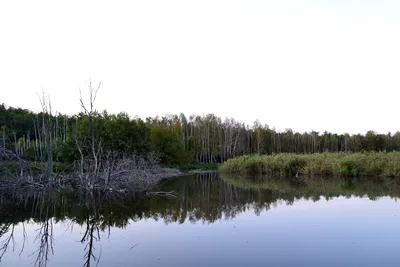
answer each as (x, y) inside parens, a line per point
(177, 139)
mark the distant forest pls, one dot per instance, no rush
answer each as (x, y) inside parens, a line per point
(177, 139)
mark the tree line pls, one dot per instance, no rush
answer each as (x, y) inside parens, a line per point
(177, 139)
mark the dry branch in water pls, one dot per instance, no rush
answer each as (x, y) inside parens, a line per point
(131, 174)
(135, 174)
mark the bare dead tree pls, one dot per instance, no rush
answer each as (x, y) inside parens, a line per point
(25, 238)
(94, 150)
(48, 135)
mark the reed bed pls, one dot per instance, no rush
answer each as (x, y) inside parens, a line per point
(381, 164)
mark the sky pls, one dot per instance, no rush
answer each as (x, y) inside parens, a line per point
(300, 64)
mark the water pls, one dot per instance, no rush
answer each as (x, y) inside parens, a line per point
(213, 222)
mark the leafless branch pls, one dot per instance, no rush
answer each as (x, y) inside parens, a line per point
(25, 238)
(10, 239)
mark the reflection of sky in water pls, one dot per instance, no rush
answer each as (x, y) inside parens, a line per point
(338, 232)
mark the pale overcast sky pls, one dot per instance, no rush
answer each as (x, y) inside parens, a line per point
(300, 64)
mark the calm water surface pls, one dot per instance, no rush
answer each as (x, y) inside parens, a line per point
(215, 221)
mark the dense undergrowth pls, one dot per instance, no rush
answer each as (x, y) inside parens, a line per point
(328, 164)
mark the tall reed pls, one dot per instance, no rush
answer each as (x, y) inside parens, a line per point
(380, 164)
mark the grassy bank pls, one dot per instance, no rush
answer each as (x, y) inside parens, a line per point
(328, 164)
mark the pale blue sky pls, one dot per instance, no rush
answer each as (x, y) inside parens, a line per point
(307, 65)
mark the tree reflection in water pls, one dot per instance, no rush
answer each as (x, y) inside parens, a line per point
(204, 198)
(44, 238)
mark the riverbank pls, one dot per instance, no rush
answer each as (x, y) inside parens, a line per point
(379, 164)
(195, 167)
(124, 176)
(68, 168)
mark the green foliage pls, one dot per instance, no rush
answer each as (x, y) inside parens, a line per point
(294, 166)
(16, 119)
(202, 139)
(168, 144)
(275, 165)
(29, 153)
(116, 133)
(349, 168)
(65, 151)
(120, 133)
(332, 164)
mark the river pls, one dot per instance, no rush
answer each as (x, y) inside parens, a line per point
(214, 221)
